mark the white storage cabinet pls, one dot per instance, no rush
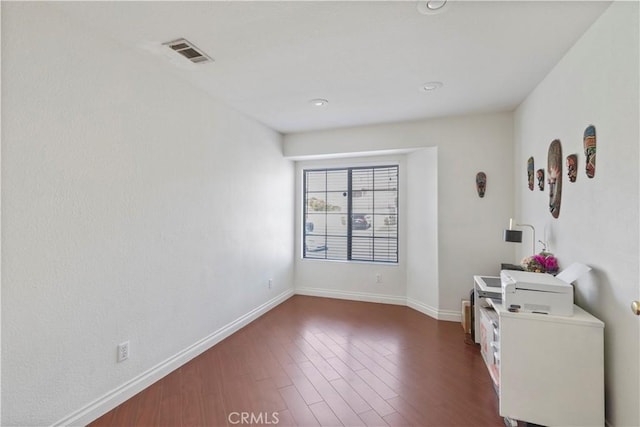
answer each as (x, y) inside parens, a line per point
(550, 369)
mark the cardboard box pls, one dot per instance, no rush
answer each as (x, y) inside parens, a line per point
(466, 316)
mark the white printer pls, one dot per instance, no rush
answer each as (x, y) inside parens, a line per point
(529, 292)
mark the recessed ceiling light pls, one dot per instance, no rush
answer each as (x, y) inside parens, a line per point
(431, 86)
(431, 7)
(318, 102)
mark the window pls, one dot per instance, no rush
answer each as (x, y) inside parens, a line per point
(351, 214)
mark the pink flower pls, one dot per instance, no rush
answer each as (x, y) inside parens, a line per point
(551, 263)
(541, 263)
(540, 259)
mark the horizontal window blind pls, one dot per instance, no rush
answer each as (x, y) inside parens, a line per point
(351, 214)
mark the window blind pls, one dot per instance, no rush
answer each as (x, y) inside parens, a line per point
(351, 214)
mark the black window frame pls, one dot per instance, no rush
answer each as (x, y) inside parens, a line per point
(350, 214)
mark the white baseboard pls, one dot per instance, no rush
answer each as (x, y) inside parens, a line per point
(447, 315)
(353, 296)
(129, 389)
(422, 308)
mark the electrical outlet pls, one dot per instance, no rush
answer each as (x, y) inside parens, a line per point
(123, 351)
(378, 278)
(270, 283)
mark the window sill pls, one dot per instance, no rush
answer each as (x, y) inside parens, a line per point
(340, 261)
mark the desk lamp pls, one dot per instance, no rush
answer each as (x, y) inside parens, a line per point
(515, 236)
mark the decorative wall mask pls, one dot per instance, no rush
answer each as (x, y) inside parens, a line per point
(554, 172)
(590, 150)
(540, 177)
(530, 169)
(481, 183)
(572, 167)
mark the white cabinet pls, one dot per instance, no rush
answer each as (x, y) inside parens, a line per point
(550, 369)
(489, 342)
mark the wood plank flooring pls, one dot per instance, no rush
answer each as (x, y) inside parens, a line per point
(325, 362)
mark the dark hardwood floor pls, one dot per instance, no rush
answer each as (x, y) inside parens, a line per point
(325, 362)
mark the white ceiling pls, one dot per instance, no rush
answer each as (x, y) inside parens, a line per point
(368, 58)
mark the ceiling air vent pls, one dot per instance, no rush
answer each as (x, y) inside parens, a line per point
(189, 50)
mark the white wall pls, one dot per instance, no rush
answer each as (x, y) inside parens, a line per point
(595, 83)
(469, 236)
(422, 221)
(134, 208)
